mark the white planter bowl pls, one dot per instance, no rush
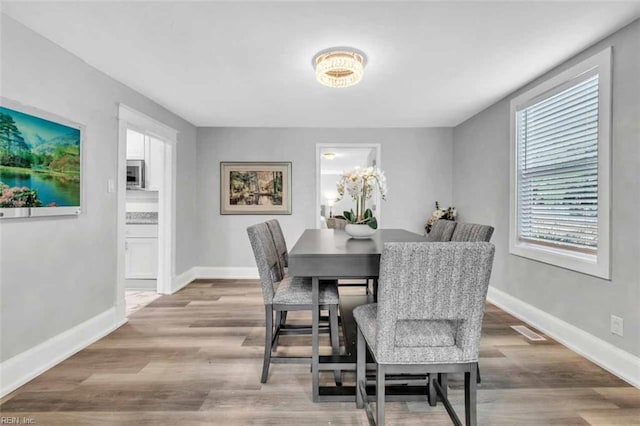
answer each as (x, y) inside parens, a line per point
(359, 231)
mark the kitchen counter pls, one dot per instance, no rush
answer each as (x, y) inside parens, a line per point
(142, 218)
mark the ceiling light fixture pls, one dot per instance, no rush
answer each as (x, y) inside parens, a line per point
(339, 66)
(329, 155)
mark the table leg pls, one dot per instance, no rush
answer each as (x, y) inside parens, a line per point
(315, 355)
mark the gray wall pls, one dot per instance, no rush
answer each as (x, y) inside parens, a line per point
(481, 194)
(58, 272)
(417, 163)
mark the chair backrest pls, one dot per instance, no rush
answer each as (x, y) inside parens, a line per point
(472, 232)
(441, 231)
(335, 223)
(279, 241)
(433, 281)
(266, 256)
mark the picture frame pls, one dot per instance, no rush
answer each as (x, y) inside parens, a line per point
(41, 163)
(255, 188)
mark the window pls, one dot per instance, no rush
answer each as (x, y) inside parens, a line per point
(560, 169)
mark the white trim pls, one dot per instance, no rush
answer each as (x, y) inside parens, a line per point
(613, 359)
(130, 118)
(167, 220)
(600, 265)
(214, 272)
(182, 280)
(27, 365)
(146, 123)
(319, 147)
(121, 304)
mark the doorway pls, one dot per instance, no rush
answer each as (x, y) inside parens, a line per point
(146, 210)
(332, 160)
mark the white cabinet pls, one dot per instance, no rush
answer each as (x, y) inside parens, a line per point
(135, 145)
(141, 260)
(154, 159)
(151, 151)
(141, 252)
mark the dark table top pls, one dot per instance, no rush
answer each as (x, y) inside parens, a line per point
(331, 253)
(331, 242)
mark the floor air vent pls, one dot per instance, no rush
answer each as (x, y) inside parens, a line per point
(528, 333)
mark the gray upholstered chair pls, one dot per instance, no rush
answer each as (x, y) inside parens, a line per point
(283, 257)
(282, 294)
(428, 319)
(280, 243)
(472, 232)
(441, 231)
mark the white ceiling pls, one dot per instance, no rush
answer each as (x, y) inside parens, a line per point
(249, 63)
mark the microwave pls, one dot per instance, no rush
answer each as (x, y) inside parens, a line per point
(135, 174)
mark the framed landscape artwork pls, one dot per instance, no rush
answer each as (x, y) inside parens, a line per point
(255, 188)
(40, 163)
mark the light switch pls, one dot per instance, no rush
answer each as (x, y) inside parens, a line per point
(111, 186)
(617, 325)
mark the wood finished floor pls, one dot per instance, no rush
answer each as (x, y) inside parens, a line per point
(195, 358)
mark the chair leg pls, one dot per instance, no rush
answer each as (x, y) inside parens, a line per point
(335, 339)
(380, 393)
(267, 342)
(470, 385)
(284, 318)
(361, 365)
(479, 378)
(433, 397)
(278, 324)
(443, 380)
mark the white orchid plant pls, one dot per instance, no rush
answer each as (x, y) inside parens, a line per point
(360, 184)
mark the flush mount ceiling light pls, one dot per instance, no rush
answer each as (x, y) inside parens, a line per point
(329, 155)
(339, 66)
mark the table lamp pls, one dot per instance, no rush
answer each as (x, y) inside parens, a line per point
(330, 203)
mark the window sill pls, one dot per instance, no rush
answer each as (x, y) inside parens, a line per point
(580, 262)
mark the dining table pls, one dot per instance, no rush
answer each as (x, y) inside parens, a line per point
(329, 254)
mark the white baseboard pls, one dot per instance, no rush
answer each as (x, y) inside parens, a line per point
(180, 281)
(140, 285)
(232, 272)
(213, 272)
(27, 365)
(613, 359)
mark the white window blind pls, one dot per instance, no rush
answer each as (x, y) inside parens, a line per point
(557, 166)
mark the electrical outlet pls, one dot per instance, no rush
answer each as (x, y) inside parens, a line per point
(617, 325)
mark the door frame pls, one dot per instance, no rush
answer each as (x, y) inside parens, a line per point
(338, 145)
(130, 118)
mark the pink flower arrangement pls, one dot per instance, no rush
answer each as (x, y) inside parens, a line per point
(18, 197)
